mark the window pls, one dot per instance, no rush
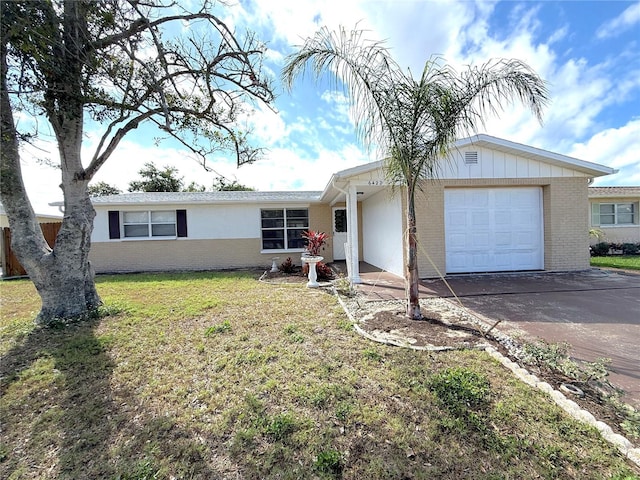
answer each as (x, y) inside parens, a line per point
(282, 228)
(149, 224)
(603, 214)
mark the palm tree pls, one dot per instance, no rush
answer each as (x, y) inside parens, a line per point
(414, 122)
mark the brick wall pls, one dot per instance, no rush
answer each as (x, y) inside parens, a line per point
(564, 221)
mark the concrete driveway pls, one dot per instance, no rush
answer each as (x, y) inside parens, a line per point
(596, 311)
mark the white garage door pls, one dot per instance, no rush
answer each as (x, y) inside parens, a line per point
(493, 229)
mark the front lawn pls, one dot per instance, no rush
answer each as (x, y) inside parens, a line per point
(215, 375)
(628, 262)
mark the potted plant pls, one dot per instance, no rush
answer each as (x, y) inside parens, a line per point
(315, 241)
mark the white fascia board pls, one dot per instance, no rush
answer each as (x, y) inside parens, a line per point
(351, 172)
(342, 177)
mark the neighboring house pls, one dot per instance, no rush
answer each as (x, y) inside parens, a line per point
(497, 206)
(615, 211)
(42, 218)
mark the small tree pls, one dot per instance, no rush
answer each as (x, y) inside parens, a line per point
(414, 121)
(156, 180)
(222, 184)
(101, 189)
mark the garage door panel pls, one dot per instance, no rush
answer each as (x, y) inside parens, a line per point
(493, 229)
(480, 261)
(458, 240)
(480, 241)
(479, 198)
(457, 219)
(479, 218)
(503, 260)
(503, 239)
(503, 217)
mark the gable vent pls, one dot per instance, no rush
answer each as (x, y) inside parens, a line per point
(471, 158)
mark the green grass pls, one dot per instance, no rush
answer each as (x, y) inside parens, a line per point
(628, 262)
(215, 375)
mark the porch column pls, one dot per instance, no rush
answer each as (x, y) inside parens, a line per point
(352, 233)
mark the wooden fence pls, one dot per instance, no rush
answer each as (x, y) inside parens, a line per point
(11, 267)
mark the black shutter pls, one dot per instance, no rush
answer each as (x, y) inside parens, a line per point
(181, 218)
(114, 224)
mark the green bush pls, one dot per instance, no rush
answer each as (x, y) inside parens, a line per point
(603, 248)
(600, 249)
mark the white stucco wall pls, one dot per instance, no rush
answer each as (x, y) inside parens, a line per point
(382, 232)
(206, 222)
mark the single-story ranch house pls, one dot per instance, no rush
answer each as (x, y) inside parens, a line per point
(615, 211)
(496, 206)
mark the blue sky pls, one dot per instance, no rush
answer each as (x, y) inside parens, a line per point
(588, 51)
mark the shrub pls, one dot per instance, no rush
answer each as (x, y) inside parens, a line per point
(631, 248)
(600, 249)
(287, 266)
(555, 356)
(315, 241)
(323, 270)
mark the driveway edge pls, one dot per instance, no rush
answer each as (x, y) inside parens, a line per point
(572, 408)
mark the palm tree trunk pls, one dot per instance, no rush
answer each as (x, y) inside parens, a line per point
(412, 277)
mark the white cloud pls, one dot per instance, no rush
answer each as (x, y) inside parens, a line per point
(616, 148)
(623, 22)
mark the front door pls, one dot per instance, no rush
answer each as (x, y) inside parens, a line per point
(339, 233)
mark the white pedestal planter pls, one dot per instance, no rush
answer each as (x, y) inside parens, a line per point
(313, 275)
(274, 266)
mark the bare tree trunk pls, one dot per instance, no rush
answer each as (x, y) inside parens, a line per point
(63, 275)
(412, 281)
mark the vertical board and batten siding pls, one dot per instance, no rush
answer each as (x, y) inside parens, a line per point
(218, 237)
(382, 231)
(498, 164)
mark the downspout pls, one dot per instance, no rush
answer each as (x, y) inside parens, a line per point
(353, 269)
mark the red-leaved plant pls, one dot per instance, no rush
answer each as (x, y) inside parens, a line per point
(315, 241)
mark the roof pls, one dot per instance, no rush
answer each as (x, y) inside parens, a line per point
(43, 215)
(614, 192)
(482, 140)
(500, 144)
(207, 197)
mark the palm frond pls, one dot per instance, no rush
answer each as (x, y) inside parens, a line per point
(362, 68)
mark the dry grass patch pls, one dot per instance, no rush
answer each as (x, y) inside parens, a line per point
(215, 375)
